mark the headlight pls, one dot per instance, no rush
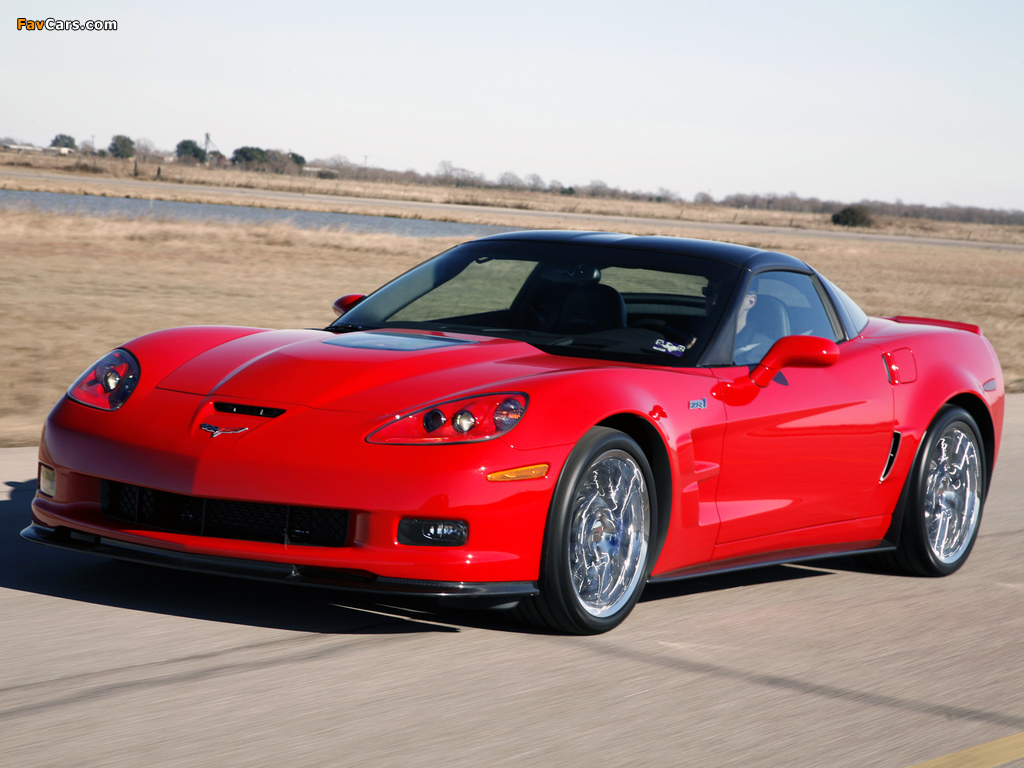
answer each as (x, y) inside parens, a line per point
(469, 420)
(108, 382)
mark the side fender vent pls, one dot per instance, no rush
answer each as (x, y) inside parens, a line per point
(893, 450)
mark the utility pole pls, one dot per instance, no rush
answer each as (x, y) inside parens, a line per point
(207, 144)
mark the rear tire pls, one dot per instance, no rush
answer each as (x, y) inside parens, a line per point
(945, 499)
(597, 542)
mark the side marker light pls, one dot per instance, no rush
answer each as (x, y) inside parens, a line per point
(47, 481)
(520, 473)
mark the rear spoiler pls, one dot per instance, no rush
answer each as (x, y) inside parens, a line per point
(941, 323)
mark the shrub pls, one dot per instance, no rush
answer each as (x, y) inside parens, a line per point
(247, 157)
(852, 216)
(121, 146)
(190, 150)
(63, 140)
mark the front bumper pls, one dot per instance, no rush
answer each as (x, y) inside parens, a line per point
(291, 573)
(306, 458)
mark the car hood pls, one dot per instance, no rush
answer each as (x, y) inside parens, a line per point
(365, 371)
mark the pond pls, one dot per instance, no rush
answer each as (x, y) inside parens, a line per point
(121, 207)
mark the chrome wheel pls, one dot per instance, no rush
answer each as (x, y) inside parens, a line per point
(599, 540)
(952, 494)
(609, 528)
(944, 497)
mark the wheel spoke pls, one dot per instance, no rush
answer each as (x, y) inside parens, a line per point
(952, 499)
(608, 533)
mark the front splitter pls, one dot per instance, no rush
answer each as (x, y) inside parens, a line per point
(336, 578)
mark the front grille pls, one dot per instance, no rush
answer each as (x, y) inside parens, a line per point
(243, 520)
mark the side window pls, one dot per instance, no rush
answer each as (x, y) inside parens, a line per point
(778, 304)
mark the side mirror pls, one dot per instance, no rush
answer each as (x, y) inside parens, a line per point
(794, 352)
(345, 303)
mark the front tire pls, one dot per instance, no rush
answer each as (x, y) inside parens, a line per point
(597, 544)
(947, 492)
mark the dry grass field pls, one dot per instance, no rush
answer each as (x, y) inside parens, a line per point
(93, 176)
(71, 288)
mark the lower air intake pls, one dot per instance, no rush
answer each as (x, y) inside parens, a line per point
(242, 520)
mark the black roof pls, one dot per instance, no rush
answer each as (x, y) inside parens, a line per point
(744, 256)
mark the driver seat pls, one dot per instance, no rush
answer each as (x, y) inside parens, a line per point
(590, 307)
(769, 318)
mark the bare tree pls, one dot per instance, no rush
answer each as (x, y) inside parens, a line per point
(535, 182)
(146, 152)
(510, 181)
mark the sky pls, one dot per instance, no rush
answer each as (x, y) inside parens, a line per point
(920, 101)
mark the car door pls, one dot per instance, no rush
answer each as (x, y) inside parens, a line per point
(805, 453)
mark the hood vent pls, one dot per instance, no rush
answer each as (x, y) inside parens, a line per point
(248, 410)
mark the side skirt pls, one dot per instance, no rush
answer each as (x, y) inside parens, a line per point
(774, 558)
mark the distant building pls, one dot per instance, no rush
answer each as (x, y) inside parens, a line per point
(20, 148)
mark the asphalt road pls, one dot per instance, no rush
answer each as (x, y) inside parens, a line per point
(451, 210)
(111, 664)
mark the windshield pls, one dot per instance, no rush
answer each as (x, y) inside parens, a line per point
(584, 300)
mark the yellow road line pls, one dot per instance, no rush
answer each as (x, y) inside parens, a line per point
(990, 755)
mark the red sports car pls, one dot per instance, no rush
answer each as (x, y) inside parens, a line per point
(545, 419)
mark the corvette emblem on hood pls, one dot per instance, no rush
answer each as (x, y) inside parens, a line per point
(214, 430)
